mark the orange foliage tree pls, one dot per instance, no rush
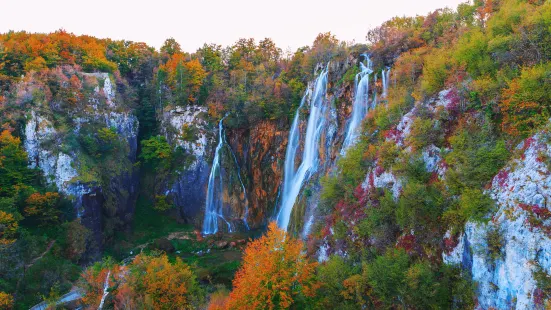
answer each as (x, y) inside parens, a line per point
(275, 274)
(184, 77)
(526, 103)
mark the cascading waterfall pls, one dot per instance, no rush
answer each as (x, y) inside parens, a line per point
(294, 179)
(360, 106)
(213, 208)
(374, 101)
(386, 78)
(105, 290)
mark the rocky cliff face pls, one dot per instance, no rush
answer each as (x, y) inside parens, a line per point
(61, 139)
(503, 255)
(261, 152)
(188, 191)
(253, 154)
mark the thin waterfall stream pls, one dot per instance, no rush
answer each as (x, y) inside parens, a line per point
(360, 105)
(214, 203)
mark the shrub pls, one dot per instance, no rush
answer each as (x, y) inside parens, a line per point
(162, 203)
(495, 242)
(526, 103)
(475, 205)
(476, 157)
(423, 133)
(419, 208)
(332, 274)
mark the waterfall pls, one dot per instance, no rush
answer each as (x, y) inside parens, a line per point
(213, 207)
(360, 105)
(374, 101)
(105, 290)
(386, 78)
(214, 202)
(294, 179)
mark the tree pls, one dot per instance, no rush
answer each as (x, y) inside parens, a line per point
(94, 279)
(275, 274)
(386, 275)
(194, 75)
(332, 275)
(171, 47)
(43, 207)
(155, 150)
(13, 164)
(6, 301)
(151, 281)
(36, 64)
(184, 77)
(159, 284)
(162, 203)
(78, 238)
(8, 228)
(526, 103)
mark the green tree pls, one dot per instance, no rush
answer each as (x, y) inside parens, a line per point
(156, 151)
(387, 277)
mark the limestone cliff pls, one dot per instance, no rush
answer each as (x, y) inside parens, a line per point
(86, 145)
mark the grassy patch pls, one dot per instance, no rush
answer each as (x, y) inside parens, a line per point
(148, 225)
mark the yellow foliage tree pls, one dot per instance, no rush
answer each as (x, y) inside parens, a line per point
(8, 228)
(6, 301)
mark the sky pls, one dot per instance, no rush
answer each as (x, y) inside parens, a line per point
(290, 23)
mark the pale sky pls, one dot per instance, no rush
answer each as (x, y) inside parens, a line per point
(290, 23)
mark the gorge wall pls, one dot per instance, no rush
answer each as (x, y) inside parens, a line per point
(64, 139)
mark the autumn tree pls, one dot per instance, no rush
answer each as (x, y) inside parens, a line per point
(275, 274)
(526, 103)
(94, 279)
(43, 207)
(185, 78)
(8, 228)
(6, 301)
(171, 47)
(160, 284)
(150, 281)
(13, 164)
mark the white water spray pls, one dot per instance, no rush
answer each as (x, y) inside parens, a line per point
(294, 179)
(105, 290)
(386, 78)
(213, 208)
(360, 106)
